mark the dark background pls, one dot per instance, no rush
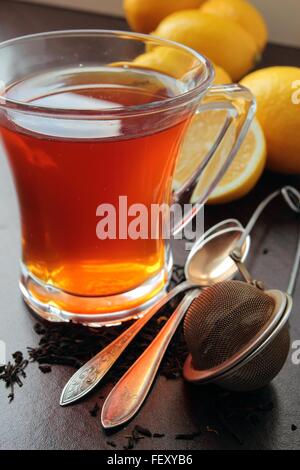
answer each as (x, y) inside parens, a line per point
(34, 420)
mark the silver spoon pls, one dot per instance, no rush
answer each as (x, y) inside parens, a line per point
(208, 263)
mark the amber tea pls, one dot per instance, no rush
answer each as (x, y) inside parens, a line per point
(64, 170)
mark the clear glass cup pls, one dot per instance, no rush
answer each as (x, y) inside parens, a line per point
(89, 129)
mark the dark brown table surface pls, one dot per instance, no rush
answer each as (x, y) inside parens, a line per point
(34, 420)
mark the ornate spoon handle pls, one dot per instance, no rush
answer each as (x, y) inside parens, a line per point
(130, 392)
(90, 374)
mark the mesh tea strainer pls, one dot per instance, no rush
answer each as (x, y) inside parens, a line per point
(237, 332)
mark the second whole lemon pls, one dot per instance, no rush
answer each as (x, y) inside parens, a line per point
(277, 92)
(175, 63)
(221, 76)
(144, 15)
(242, 12)
(223, 41)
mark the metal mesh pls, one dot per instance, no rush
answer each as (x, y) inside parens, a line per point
(222, 321)
(261, 369)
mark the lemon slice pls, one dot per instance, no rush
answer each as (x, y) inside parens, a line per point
(244, 171)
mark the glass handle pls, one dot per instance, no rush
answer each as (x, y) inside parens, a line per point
(240, 106)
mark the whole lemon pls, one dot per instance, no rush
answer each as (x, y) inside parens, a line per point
(221, 76)
(223, 41)
(245, 14)
(145, 15)
(277, 91)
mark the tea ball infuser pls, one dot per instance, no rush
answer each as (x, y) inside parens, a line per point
(236, 331)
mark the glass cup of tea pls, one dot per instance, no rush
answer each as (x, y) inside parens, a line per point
(92, 136)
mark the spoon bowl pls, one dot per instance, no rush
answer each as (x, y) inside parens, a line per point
(209, 262)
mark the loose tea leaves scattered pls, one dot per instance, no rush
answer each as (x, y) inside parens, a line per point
(130, 443)
(111, 444)
(45, 369)
(143, 431)
(12, 373)
(95, 410)
(73, 344)
(138, 433)
(213, 430)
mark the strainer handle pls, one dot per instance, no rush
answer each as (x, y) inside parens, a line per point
(290, 195)
(294, 273)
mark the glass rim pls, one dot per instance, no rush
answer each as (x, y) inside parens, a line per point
(128, 111)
